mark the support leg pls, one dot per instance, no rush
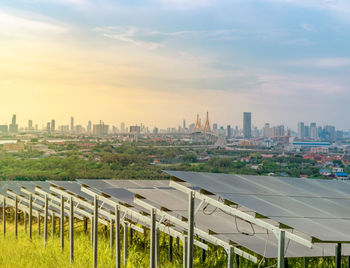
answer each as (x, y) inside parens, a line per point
(281, 240)
(62, 223)
(190, 229)
(153, 239)
(95, 231)
(338, 256)
(71, 230)
(46, 215)
(170, 249)
(117, 236)
(16, 216)
(125, 244)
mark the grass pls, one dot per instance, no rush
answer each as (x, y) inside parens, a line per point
(23, 252)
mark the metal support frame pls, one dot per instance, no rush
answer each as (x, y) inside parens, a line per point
(4, 216)
(71, 230)
(117, 236)
(85, 224)
(39, 224)
(338, 255)
(140, 218)
(46, 215)
(62, 223)
(281, 243)
(95, 231)
(111, 238)
(157, 247)
(170, 249)
(25, 221)
(184, 252)
(230, 257)
(153, 239)
(126, 243)
(190, 229)
(203, 254)
(241, 214)
(53, 224)
(16, 217)
(92, 231)
(211, 239)
(30, 216)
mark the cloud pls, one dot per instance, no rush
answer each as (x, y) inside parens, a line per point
(307, 27)
(320, 63)
(14, 24)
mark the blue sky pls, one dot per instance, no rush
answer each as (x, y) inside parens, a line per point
(161, 61)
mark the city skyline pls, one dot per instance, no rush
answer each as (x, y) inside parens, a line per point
(158, 61)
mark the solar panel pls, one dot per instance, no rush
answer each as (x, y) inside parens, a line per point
(318, 208)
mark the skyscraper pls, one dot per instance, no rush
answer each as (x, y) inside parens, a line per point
(30, 124)
(53, 125)
(229, 131)
(13, 126)
(313, 131)
(301, 130)
(72, 123)
(184, 124)
(89, 127)
(122, 127)
(247, 125)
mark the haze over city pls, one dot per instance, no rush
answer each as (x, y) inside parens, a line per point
(158, 62)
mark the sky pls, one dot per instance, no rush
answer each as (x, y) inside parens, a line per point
(161, 61)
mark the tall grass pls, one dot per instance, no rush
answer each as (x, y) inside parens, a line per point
(23, 252)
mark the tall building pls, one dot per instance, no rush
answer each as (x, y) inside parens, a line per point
(301, 130)
(48, 127)
(229, 131)
(184, 124)
(30, 124)
(89, 127)
(215, 126)
(13, 126)
(331, 132)
(72, 123)
(122, 127)
(306, 132)
(53, 125)
(100, 129)
(247, 125)
(313, 131)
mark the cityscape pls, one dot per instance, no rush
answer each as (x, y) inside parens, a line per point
(174, 133)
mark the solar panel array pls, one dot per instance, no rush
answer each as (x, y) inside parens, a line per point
(314, 210)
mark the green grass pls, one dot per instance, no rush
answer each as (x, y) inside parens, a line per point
(23, 252)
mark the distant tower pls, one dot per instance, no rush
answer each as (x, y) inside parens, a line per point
(198, 126)
(89, 126)
(72, 123)
(13, 125)
(53, 125)
(30, 124)
(184, 124)
(247, 125)
(207, 128)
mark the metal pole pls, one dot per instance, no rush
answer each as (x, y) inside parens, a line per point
(153, 239)
(46, 218)
(95, 231)
(157, 247)
(125, 244)
(85, 225)
(71, 230)
(230, 256)
(190, 229)
(62, 223)
(305, 262)
(4, 216)
(117, 236)
(39, 224)
(184, 252)
(348, 264)
(92, 231)
(203, 256)
(338, 255)
(131, 235)
(16, 217)
(25, 221)
(281, 240)
(111, 236)
(30, 215)
(170, 249)
(53, 219)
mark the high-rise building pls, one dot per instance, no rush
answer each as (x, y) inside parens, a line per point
(215, 126)
(13, 126)
(100, 129)
(53, 125)
(306, 132)
(48, 127)
(301, 130)
(30, 124)
(184, 124)
(122, 127)
(89, 127)
(229, 131)
(247, 125)
(4, 128)
(72, 123)
(331, 132)
(313, 131)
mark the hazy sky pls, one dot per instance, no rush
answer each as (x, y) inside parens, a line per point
(160, 61)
